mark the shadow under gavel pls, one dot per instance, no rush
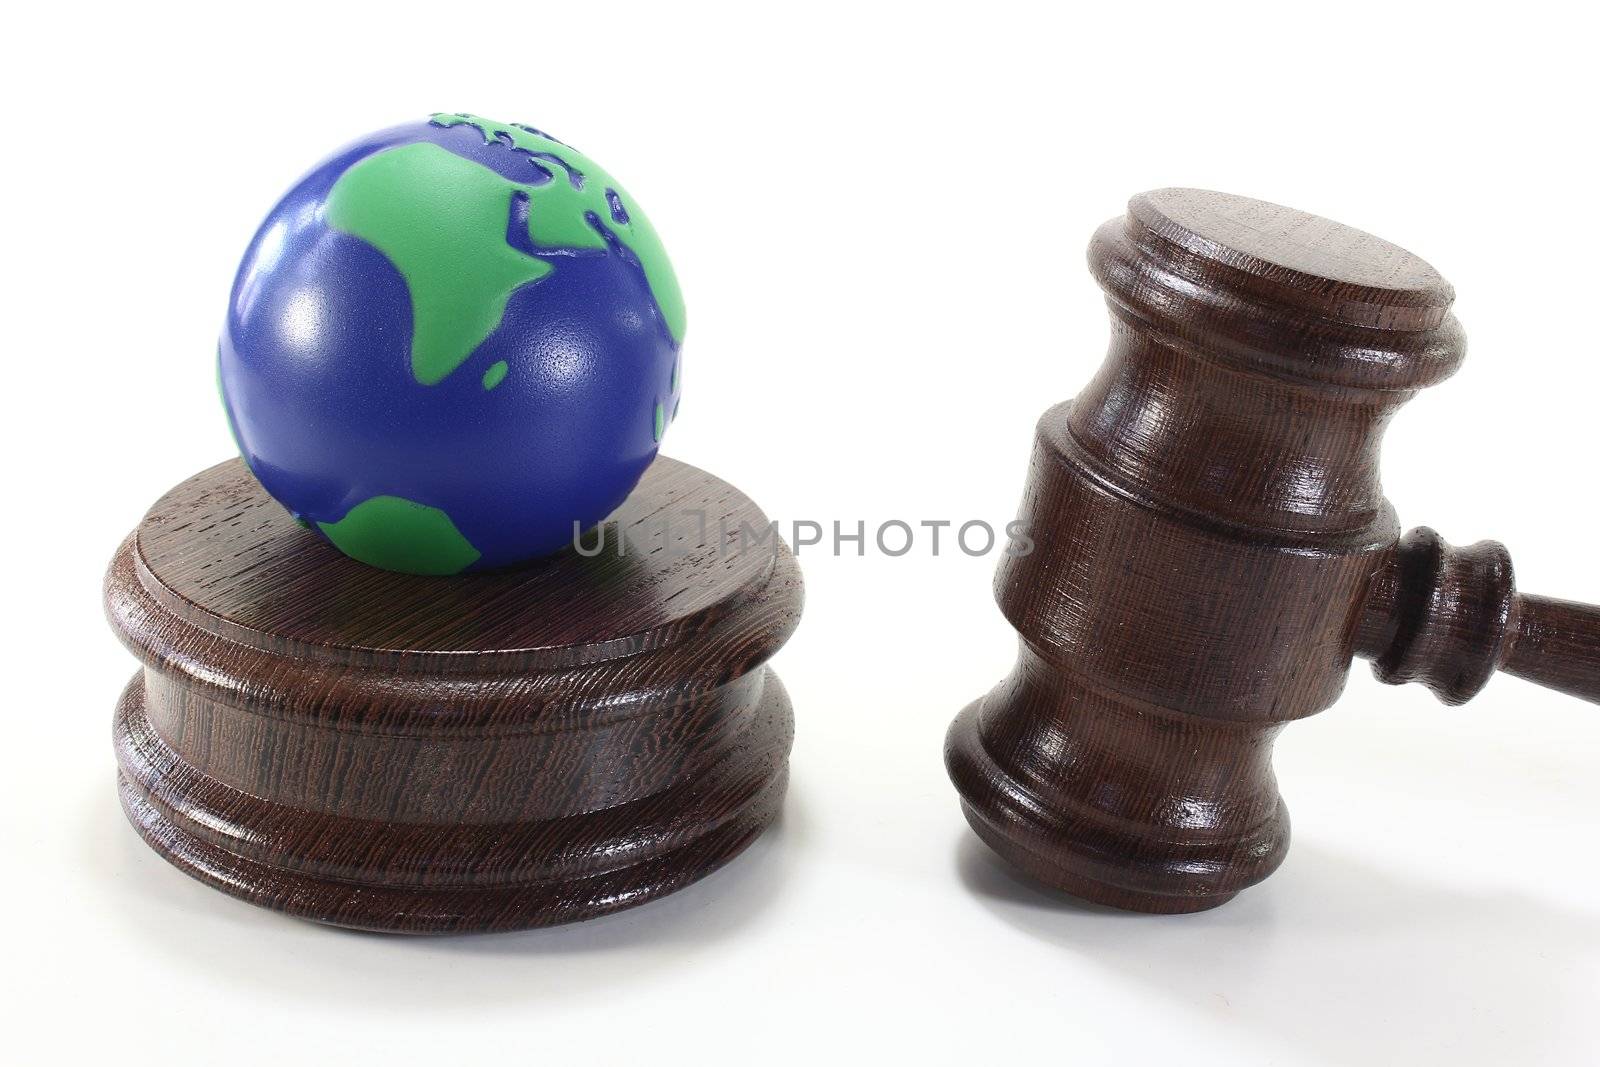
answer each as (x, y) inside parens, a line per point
(1212, 547)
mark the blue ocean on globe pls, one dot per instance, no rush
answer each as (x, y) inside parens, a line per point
(451, 345)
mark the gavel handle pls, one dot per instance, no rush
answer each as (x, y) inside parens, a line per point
(1557, 644)
(1450, 617)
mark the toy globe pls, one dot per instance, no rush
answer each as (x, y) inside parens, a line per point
(453, 345)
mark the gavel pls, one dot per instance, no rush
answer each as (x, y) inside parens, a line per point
(1212, 548)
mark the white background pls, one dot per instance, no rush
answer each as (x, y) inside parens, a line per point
(878, 216)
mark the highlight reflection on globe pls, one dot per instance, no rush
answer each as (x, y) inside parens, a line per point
(449, 343)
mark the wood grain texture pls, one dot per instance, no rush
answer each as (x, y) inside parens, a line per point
(1213, 546)
(478, 752)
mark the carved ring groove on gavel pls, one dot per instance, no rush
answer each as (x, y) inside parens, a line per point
(1212, 547)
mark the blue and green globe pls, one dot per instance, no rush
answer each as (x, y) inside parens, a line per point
(451, 346)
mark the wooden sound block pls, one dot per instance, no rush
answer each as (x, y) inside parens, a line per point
(478, 752)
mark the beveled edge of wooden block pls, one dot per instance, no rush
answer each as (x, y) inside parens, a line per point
(562, 610)
(179, 826)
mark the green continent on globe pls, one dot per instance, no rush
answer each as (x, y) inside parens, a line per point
(401, 535)
(558, 219)
(441, 220)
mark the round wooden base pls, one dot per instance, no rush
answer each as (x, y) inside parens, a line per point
(480, 752)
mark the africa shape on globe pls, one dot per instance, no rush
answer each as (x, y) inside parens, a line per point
(450, 343)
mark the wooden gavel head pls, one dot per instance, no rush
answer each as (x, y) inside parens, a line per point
(1212, 547)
